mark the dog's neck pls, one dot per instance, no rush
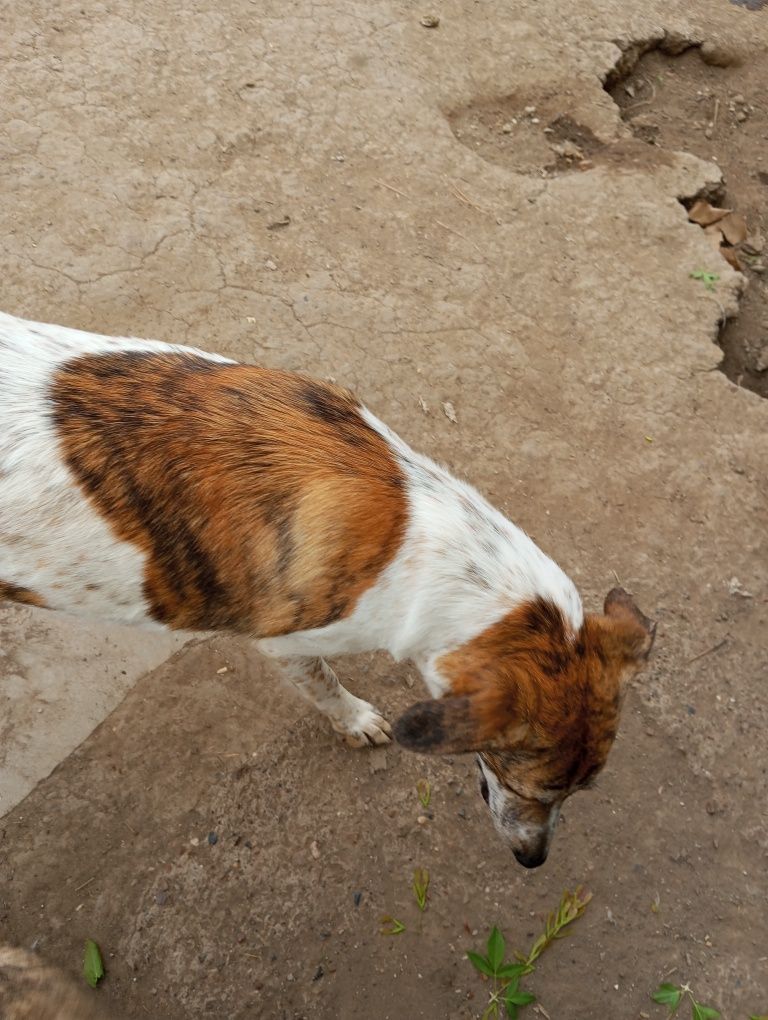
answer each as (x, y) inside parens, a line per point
(462, 567)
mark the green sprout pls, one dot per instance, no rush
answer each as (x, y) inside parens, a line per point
(421, 887)
(673, 996)
(506, 976)
(708, 279)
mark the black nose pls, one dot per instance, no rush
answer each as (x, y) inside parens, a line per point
(531, 858)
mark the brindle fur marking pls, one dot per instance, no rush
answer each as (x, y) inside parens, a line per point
(545, 702)
(264, 501)
(15, 593)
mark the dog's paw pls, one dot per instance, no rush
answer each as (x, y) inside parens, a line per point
(362, 726)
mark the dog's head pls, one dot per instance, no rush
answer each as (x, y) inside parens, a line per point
(540, 705)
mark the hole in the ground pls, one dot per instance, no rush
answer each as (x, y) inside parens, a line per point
(527, 133)
(721, 114)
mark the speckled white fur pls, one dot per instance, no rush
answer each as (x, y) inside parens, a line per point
(51, 540)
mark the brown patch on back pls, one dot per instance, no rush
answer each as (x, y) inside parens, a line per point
(15, 593)
(263, 500)
(546, 702)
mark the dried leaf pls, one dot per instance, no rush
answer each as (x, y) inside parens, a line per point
(450, 412)
(714, 235)
(704, 214)
(734, 228)
(731, 257)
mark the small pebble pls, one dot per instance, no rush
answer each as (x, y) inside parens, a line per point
(422, 820)
(213, 839)
(195, 841)
(506, 129)
(161, 897)
(318, 973)
(269, 264)
(314, 849)
(719, 56)
(430, 21)
(741, 116)
(357, 897)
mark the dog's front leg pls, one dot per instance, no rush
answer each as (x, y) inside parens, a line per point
(355, 720)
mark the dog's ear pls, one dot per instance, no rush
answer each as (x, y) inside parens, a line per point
(628, 632)
(440, 726)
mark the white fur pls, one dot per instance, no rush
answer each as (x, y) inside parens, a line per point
(504, 805)
(51, 540)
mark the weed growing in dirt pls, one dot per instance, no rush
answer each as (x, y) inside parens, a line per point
(421, 887)
(424, 791)
(673, 996)
(708, 279)
(507, 976)
(394, 927)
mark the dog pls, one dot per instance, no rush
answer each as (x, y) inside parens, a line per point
(162, 486)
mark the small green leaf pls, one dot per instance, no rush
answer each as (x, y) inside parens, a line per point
(513, 970)
(397, 927)
(511, 1009)
(668, 995)
(519, 998)
(496, 948)
(93, 968)
(704, 1012)
(708, 279)
(480, 963)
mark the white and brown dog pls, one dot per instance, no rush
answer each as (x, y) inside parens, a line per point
(161, 486)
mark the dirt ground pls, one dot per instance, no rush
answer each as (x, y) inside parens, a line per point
(343, 190)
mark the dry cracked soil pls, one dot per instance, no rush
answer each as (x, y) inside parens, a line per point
(491, 212)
